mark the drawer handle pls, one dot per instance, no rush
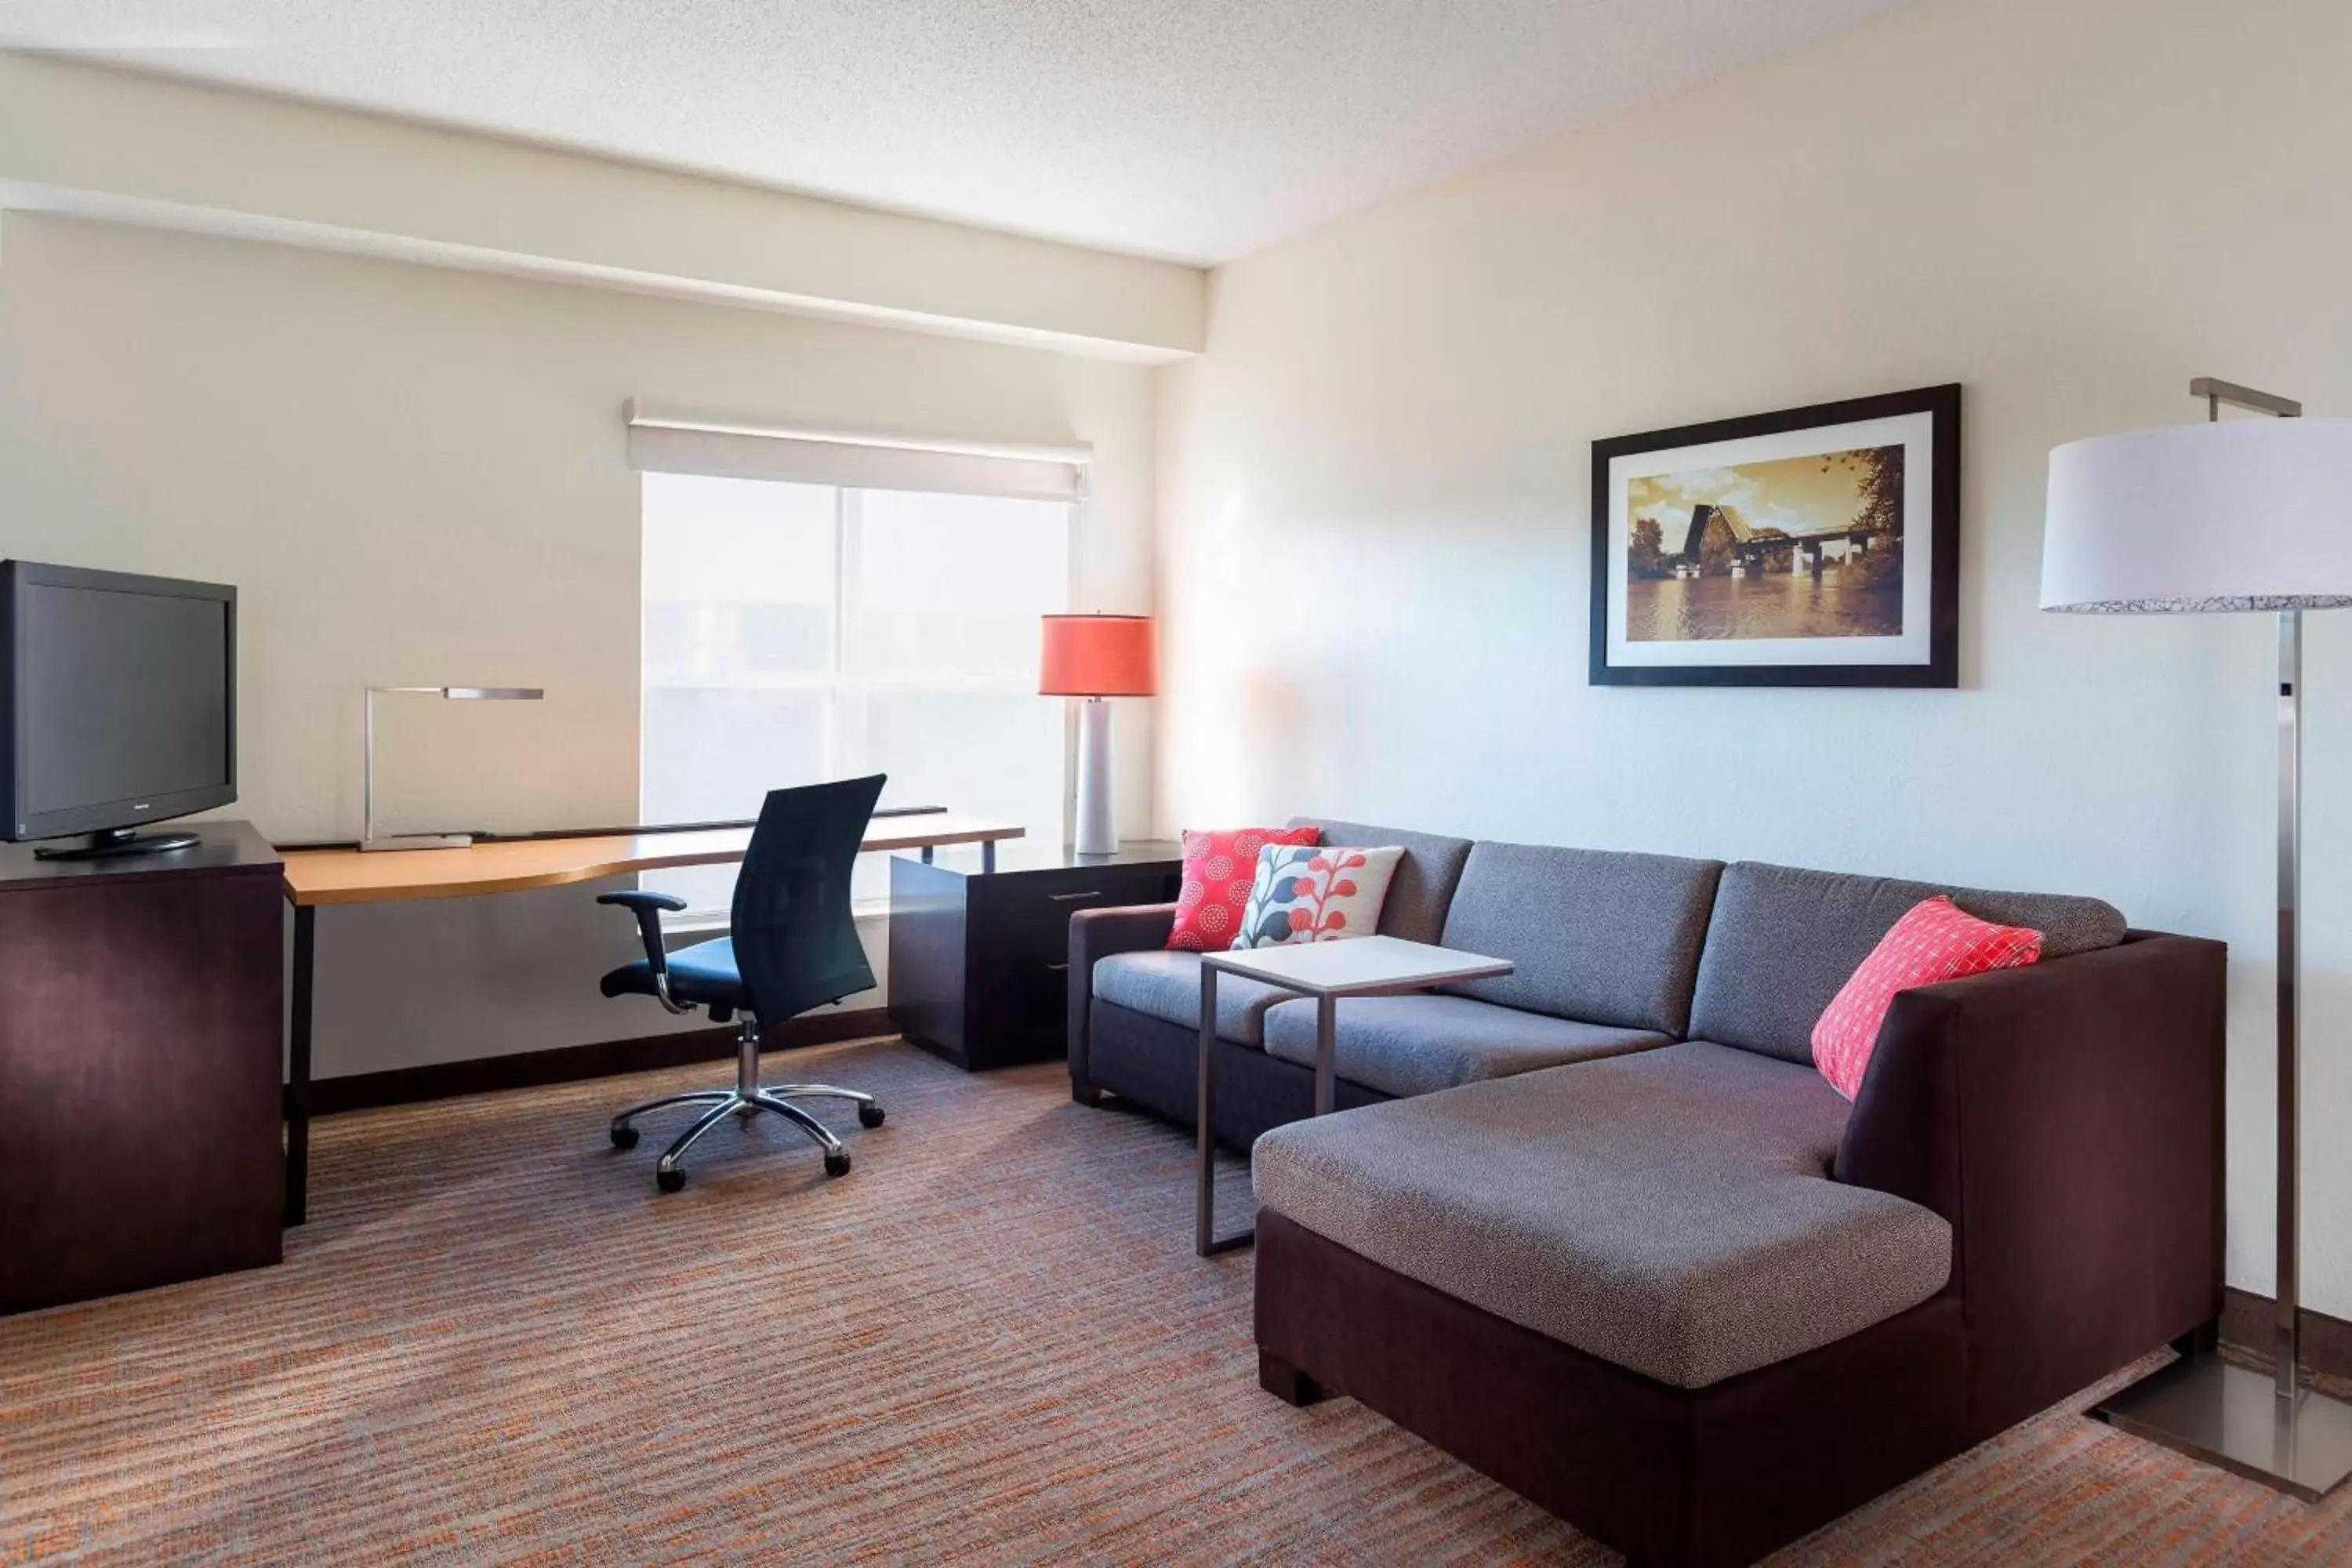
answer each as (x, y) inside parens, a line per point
(1057, 967)
(1074, 897)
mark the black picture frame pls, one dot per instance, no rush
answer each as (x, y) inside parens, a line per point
(1941, 668)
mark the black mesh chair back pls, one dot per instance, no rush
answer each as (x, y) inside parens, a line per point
(796, 945)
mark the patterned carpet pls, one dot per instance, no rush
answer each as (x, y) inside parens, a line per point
(991, 1342)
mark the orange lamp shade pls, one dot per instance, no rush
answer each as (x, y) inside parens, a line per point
(1098, 656)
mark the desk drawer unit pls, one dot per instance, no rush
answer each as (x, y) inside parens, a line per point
(980, 962)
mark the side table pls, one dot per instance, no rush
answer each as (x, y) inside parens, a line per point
(1327, 971)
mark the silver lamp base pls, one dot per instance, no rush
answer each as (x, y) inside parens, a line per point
(1094, 834)
(419, 841)
(2233, 1417)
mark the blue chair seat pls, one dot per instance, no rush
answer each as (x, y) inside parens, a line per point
(705, 972)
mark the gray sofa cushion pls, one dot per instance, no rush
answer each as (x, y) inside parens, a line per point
(1167, 985)
(1670, 1211)
(1783, 942)
(1599, 935)
(1420, 1044)
(1423, 884)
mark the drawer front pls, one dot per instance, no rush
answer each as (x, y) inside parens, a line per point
(1026, 919)
(1025, 1012)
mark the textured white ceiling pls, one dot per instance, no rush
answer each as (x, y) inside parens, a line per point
(1195, 129)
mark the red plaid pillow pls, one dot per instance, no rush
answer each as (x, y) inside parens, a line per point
(1932, 941)
(1218, 870)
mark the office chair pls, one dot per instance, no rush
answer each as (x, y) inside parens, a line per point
(791, 946)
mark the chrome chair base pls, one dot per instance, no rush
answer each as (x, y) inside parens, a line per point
(749, 1097)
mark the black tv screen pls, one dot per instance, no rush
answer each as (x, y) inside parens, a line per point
(121, 692)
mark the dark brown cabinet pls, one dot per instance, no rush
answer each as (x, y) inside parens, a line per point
(142, 1005)
(979, 961)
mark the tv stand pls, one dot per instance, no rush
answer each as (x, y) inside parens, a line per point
(141, 1045)
(116, 841)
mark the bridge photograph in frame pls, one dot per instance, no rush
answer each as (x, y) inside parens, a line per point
(1814, 546)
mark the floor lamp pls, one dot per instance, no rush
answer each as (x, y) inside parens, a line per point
(2243, 515)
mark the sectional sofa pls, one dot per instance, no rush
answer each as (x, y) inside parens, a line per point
(1600, 1229)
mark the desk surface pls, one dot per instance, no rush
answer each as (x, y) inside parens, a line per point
(350, 877)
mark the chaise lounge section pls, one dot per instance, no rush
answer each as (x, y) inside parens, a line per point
(1673, 1286)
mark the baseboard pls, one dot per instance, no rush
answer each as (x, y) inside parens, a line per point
(2326, 1341)
(571, 1064)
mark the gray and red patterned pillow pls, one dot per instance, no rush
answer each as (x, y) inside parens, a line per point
(1218, 870)
(1935, 940)
(1305, 894)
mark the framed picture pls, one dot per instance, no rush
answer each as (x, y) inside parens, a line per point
(1813, 547)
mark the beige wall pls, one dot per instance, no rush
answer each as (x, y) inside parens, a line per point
(1374, 485)
(416, 476)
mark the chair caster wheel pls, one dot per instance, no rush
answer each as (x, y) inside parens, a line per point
(836, 1164)
(624, 1137)
(670, 1181)
(869, 1116)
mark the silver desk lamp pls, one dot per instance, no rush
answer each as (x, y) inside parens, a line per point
(368, 836)
(2248, 515)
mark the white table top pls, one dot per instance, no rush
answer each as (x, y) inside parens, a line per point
(1356, 966)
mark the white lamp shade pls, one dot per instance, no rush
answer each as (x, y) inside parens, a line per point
(2253, 514)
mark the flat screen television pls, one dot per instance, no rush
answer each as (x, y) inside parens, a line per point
(117, 706)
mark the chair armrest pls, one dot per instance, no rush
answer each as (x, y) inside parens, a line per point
(1099, 933)
(649, 908)
(2066, 1118)
(641, 898)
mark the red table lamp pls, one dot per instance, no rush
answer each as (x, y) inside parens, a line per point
(1095, 657)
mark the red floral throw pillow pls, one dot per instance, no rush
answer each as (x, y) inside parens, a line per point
(1218, 870)
(1932, 941)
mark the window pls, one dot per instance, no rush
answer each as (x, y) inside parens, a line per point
(795, 633)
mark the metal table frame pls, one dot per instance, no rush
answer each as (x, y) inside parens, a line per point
(1206, 1242)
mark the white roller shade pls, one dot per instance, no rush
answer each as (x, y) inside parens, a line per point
(674, 442)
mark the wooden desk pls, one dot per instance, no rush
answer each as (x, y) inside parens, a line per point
(317, 876)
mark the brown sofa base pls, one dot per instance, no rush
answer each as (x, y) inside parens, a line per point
(1287, 1383)
(1674, 1477)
